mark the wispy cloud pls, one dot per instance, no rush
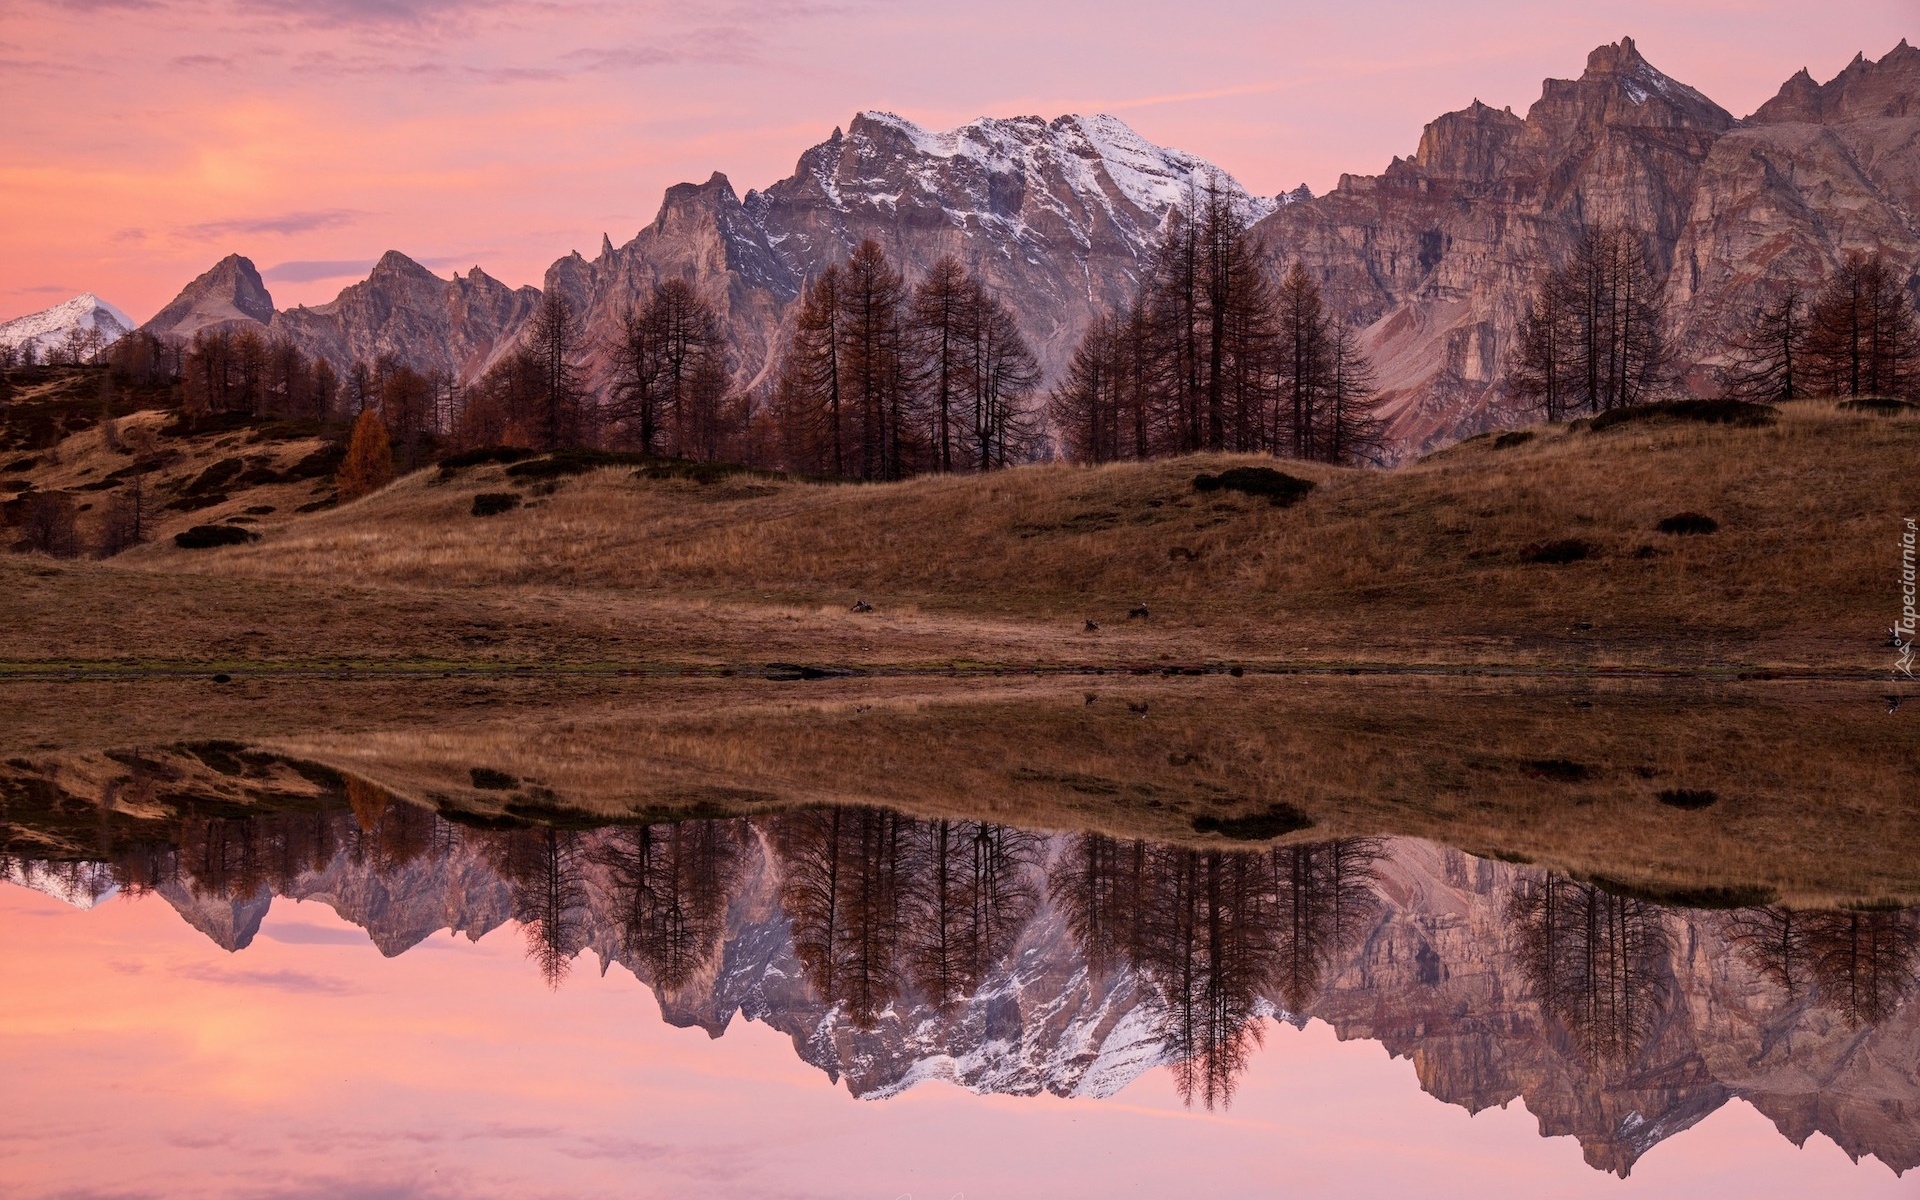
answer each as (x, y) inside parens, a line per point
(325, 62)
(306, 271)
(283, 223)
(707, 46)
(96, 5)
(346, 13)
(215, 62)
(279, 981)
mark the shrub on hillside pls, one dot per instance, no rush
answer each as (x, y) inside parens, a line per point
(1710, 412)
(1688, 523)
(1279, 488)
(492, 504)
(1558, 553)
(208, 537)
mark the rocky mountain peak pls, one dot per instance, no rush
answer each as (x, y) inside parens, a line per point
(228, 293)
(394, 265)
(1474, 143)
(1620, 87)
(1889, 87)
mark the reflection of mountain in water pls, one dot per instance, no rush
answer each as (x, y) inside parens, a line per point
(894, 950)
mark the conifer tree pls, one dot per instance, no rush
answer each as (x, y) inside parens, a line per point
(1861, 335)
(1767, 358)
(368, 465)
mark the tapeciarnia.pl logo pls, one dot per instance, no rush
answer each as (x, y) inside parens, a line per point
(1904, 628)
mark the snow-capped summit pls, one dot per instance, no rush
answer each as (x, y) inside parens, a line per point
(71, 324)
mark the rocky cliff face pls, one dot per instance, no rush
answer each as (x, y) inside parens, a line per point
(1434, 257)
(1818, 171)
(455, 327)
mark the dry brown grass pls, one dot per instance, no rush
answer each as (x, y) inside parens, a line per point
(85, 458)
(1421, 562)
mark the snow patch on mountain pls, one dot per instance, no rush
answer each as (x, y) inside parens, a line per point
(81, 884)
(50, 329)
(1101, 157)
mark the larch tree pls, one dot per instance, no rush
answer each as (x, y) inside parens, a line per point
(554, 346)
(1861, 334)
(809, 394)
(368, 465)
(1766, 358)
(946, 313)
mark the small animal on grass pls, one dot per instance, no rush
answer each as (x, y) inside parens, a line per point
(1893, 704)
(861, 606)
(1093, 626)
(1140, 708)
(1138, 613)
(1091, 697)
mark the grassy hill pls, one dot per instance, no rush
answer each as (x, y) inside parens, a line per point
(1537, 550)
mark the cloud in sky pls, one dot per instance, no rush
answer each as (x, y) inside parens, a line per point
(282, 223)
(337, 13)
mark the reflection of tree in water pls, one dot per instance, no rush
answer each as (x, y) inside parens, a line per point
(670, 886)
(1213, 931)
(1858, 962)
(387, 833)
(842, 890)
(1596, 961)
(542, 868)
(1099, 884)
(972, 894)
(879, 902)
(1326, 901)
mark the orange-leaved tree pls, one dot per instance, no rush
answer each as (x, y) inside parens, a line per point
(369, 462)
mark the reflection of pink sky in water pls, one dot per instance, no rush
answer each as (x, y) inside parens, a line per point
(141, 1058)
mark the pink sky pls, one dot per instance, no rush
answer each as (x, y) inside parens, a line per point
(144, 139)
(141, 1059)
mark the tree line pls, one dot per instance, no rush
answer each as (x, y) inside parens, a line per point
(1213, 354)
(1592, 337)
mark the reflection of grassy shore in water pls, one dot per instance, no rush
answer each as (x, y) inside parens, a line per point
(1547, 552)
(1671, 787)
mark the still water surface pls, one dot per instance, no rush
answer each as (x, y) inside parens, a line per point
(853, 1003)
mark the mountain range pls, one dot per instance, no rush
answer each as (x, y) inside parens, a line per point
(1433, 257)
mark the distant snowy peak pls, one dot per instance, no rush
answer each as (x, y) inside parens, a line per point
(81, 884)
(1154, 179)
(1014, 170)
(50, 329)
